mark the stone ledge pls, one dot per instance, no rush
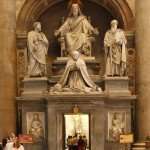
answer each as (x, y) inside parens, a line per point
(99, 97)
(116, 78)
(34, 79)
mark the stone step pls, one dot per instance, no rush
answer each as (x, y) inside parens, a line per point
(139, 146)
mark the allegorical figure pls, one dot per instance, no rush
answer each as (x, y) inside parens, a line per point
(36, 128)
(37, 51)
(115, 51)
(77, 31)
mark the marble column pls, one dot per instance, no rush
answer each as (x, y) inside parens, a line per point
(7, 67)
(143, 67)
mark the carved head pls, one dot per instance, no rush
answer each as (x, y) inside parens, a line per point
(75, 10)
(37, 26)
(75, 55)
(35, 116)
(114, 24)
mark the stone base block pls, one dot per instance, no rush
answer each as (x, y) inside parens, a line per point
(64, 59)
(35, 86)
(139, 146)
(117, 86)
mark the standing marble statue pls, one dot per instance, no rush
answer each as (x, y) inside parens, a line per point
(77, 31)
(37, 51)
(115, 51)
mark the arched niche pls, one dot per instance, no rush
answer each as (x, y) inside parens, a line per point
(33, 9)
(50, 12)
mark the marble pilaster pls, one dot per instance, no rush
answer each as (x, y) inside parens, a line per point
(143, 67)
(7, 67)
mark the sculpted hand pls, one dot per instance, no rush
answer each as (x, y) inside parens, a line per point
(56, 33)
(96, 31)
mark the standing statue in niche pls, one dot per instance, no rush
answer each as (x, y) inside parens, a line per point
(115, 51)
(37, 51)
(76, 30)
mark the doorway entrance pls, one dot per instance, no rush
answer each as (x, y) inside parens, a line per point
(77, 131)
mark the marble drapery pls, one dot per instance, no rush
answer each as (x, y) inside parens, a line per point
(115, 51)
(37, 48)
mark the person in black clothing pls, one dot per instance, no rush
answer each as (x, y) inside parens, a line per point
(4, 142)
(1, 147)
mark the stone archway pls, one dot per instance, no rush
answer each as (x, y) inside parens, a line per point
(32, 10)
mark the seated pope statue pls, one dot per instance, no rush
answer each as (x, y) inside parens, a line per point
(37, 51)
(77, 31)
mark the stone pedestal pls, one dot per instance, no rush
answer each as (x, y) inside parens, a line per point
(117, 86)
(35, 86)
(99, 107)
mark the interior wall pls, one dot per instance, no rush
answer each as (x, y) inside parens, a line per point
(19, 5)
